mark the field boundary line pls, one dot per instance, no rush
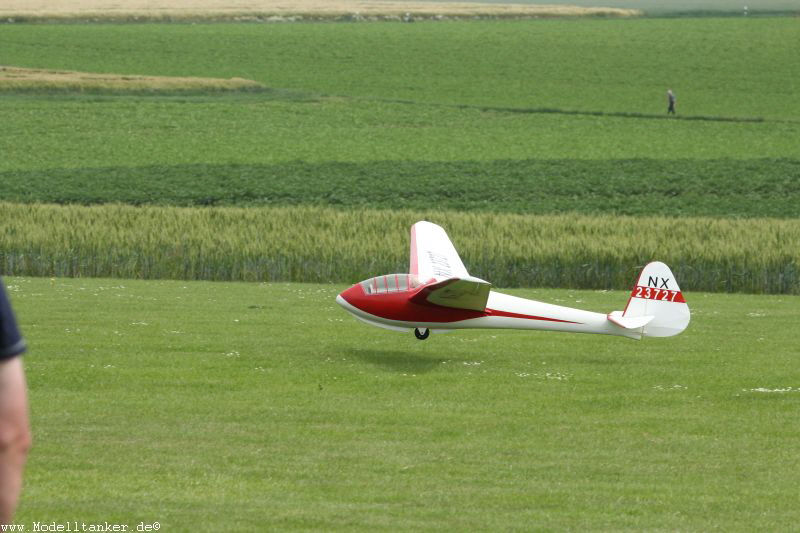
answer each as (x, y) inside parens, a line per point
(588, 113)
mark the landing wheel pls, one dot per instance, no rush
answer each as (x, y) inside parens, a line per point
(421, 334)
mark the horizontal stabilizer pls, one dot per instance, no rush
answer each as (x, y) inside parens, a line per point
(629, 322)
(459, 293)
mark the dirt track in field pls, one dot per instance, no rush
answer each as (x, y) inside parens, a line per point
(283, 8)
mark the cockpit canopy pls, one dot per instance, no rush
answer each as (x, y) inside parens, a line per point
(390, 283)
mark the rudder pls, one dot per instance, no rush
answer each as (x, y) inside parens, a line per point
(657, 295)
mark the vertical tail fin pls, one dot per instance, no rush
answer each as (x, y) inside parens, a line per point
(656, 304)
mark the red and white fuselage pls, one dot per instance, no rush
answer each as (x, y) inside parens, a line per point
(439, 295)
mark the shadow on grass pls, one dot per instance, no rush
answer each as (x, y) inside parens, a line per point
(398, 361)
(620, 114)
(589, 113)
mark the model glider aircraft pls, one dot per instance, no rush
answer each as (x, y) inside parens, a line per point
(438, 294)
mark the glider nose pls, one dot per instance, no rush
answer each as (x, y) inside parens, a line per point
(340, 300)
(349, 297)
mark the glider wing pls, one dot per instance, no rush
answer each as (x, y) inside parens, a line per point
(433, 255)
(459, 293)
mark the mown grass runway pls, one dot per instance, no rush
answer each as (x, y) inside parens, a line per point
(250, 406)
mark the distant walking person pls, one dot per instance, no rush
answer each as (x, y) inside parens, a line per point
(15, 434)
(670, 102)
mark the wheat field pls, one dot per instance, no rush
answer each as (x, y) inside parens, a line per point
(318, 244)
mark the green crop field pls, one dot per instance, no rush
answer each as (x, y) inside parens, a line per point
(457, 91)
(525, 117)
(648, 187)
(251, 407)
(535, 117)
(718, 67)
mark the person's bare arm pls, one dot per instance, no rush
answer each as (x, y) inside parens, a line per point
(15, 435)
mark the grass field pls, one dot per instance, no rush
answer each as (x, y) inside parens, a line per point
(251, 407)
(746, 67)
(513, 90)
(48, 134)
(218, 406)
